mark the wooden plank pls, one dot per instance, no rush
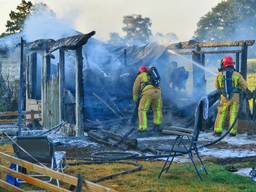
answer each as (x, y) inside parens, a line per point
(92, 187)
(8, 121)
(39, 169)
(9, 187)
(182, 129)
(210, 44)
(221, 52)
(15, 113)
(33, 181)
(9, 114)
(209, 52)
(170, 132)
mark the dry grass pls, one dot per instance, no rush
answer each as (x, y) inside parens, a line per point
(181, 177)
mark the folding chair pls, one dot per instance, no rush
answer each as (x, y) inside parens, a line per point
(186, 142)
(38, 149)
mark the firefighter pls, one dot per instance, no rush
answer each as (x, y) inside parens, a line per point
(148, 96)
(230, 83)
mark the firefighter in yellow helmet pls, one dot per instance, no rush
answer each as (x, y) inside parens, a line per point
(230, 83)
(148, 96)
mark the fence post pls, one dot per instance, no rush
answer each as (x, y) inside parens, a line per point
(79, 183)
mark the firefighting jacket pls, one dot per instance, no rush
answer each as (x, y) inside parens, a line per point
(141, 85)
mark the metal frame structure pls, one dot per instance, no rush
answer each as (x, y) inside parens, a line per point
(186, 143)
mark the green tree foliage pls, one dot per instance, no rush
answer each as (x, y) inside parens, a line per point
(229, 20)
(137, 28)
(17, 18)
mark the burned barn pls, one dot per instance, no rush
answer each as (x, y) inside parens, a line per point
(89, 85)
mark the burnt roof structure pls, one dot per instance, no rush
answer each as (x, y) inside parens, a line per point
(52, 87)
(71, 43)
(210, 44)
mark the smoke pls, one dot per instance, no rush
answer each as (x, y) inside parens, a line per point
(42, 23)
(164, 39)
(107, 72)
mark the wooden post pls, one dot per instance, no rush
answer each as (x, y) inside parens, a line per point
(80, 181)
(79, 93)
(61, 68)
(27, 80)
(244, 61)
(198, 74)
(237, 62)
(21, 87)
(45, 77)
(243, 70)
(33, 75)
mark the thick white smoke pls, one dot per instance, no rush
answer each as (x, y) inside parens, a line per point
(42, 23)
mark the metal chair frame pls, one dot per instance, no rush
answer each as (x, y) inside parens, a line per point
(186, 143)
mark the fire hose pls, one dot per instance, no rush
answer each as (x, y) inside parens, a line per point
(242, 96)
(137, 166)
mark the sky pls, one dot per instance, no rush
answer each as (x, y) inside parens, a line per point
(105, 16)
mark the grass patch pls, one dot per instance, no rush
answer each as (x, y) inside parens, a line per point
(180, 178)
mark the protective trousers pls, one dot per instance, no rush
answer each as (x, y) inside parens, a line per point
(227, 111)
(151, 97)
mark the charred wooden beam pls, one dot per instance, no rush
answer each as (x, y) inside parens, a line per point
(238, 61)
(109, 138)
(33, 75)
(210, 52)
(210, 44)
(21, 86)
(73, 42)
(79, 93)
(222, 52)
(61, 69)
(40, 44)
(244, 60)
(45, 77)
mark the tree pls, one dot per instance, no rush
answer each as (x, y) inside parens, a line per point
(16, 21)
(229, 20)
(137, 29)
